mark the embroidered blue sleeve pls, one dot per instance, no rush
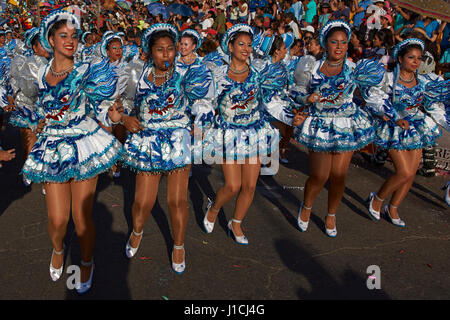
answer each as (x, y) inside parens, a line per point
(437, 99)
(368, 73)
(101, 88)
(379, 98)
(200, 91)
(274, 96)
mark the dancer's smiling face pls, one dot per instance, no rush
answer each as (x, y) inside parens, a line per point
(337, 46)
(64, 40)
(410, 61)
(187, 46)
(241, 47)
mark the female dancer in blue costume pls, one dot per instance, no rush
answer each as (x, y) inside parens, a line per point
(71, 149)
(274, 52)
(409, 107)
(111, 49)
(335, 127)
(241, 133)
(166, 98)
(13, 46)
(24, 79)
(87, 51)
(190, 42)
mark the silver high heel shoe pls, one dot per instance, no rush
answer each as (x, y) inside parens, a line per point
(179, 267)
(83, 287)
(129, 250)
(303, 225)
(332, 233)
(374, 214)
(398, 222)
(207, 225)
(55, 274)
(239, 240)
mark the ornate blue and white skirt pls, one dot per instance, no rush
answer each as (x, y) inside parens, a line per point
(421, 133)
(240, 143)
(73, 153)
(336, 134)
(158, 150)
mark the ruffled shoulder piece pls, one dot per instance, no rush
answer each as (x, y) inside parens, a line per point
(369, 72)
(304, 69)
(215, 59)
(26, 76)
(133, 70)
(260, 64)
(274, 76)
(219, 72)
(436, 89)
(100, 80)
(197, 82)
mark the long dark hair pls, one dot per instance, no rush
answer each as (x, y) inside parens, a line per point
(276, 45)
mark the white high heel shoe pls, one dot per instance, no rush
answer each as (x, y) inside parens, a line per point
(129, 250)
(179, 267)
(208, 226)
(55, 274)
(398, 222)
(447, 195)
(332, 233)
(242, 240)
(374, 214)
(302, 224)
(83, 287)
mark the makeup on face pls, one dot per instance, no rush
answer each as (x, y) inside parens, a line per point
(163, 53)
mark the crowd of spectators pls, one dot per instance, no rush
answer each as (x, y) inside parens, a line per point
(378, 24)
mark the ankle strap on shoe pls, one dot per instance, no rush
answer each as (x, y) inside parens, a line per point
(390, 205)
(58, 252)
(378, 198)
(305, 207)
(236, 221)
(87, 264)
(331, 214)
(178, 247)
(138, 234)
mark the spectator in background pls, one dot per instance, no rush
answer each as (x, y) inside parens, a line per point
(252, 10)
(233, 11)
(207, 21)
(243, 11)
(298, 48)
(356, 49)
(311, 11)
(290, 20)
(325, 14)
(359, 8)
(262, 4)
(220, 22)
(308, 34)
(430, 26)
(402, 17)
(343, 12)
(297, 9)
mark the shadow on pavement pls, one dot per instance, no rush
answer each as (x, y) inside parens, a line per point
(322, 284)
(11, 184)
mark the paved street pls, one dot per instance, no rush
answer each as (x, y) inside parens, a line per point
(281, 263)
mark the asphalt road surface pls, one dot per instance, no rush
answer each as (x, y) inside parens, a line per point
(280, 262)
